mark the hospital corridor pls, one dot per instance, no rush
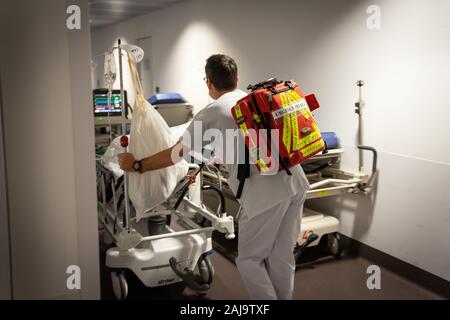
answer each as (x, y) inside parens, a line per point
(225, 158)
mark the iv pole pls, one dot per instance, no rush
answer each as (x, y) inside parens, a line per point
(124, 143)
(358, 110)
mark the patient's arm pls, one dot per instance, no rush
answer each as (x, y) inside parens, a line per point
(160, 160)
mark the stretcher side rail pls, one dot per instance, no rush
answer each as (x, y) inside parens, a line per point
(127, 239)
(329, 180)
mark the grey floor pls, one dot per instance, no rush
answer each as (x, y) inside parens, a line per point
(323, 278)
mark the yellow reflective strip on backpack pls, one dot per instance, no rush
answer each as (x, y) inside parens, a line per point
(243, 126)
(262, 165)
(305, 111)
(313, 148)
(287, 131)
(316, 132)
(294, 119)
(237, 110)
(308, 139)
(295, 95)
(315, 127)
(254, 153)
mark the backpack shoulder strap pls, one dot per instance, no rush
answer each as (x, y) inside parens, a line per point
(243, 173)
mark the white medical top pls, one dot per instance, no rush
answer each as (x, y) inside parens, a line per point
(260, 192)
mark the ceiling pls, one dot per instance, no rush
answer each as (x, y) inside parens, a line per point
(106, 12)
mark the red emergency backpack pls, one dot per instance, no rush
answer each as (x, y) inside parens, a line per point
(281, 105)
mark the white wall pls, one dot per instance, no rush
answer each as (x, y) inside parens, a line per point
(84, 152)
(326, 46)
(49, 147)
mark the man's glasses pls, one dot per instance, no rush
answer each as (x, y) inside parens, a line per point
(205, 79)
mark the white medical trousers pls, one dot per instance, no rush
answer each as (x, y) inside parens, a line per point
(266, 245)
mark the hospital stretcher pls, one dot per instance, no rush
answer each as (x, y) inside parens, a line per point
(157, 252)
(151, 248)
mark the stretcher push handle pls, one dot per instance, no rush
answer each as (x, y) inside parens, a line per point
(368, 186)
(221, 196)
(375, 156)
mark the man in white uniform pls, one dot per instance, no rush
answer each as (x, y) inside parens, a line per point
(272, 205)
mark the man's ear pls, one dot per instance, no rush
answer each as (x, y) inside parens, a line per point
(212, 90)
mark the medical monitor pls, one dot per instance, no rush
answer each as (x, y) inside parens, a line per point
(101, 106)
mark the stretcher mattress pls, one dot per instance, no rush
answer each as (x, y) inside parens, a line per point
(331, 140)
(166, 98)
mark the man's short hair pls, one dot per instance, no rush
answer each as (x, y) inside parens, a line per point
(221, 70)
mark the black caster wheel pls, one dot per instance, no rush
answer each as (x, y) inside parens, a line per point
(119, 284)
(206, 269)
(335, 246)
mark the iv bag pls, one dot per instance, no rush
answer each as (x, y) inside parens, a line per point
(110, 72)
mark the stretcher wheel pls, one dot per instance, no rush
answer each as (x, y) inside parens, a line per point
(335, 246)
(119, 284)
(206, 269)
